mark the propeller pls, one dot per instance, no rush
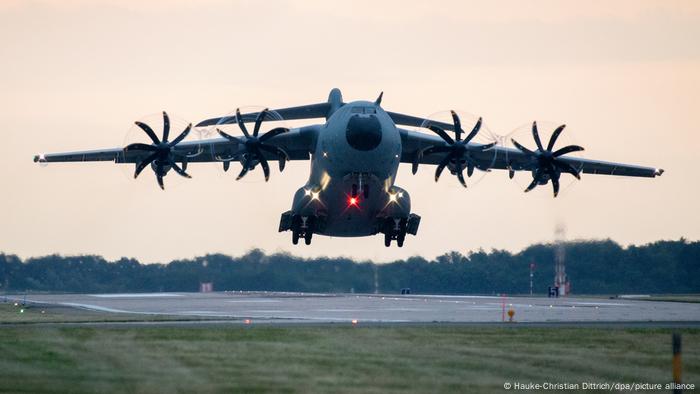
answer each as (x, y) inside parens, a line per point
(162, 156)
(254, 145)
(458, 150)
(549, 165)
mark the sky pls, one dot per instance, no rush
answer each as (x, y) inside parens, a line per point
(624, 76)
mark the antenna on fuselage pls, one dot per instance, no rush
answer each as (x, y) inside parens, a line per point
(378, 101)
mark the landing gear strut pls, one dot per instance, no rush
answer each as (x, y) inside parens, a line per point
(303, 227)
(395, 228)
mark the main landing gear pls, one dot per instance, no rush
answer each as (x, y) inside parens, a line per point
(303, 227)
(395, 228)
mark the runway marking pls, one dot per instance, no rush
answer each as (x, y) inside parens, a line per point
(254, 301)
(95, 307)
(136, 295)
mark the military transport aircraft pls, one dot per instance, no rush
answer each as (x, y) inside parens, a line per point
(354, 157)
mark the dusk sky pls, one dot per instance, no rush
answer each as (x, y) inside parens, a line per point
(624, 76)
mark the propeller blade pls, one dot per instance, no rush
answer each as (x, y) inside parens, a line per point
(148, 131)
(166, 126)
(442, 134)
(179, 170)
(474, 131)
(281, 154)
(458, 125)
(460, 177)
(138, 146)
(522, 148)
(182, 135)
(264, 165)
(568, 168)
(272, 133)
(567, 149)
(243, 171)
(144, 163)
(532, 185)
(553, 138)
(555, 185)
(442, 166)
(536, 136)
(241, 124)
(416, 160)
(258, 121)
(470, 169)
(227, 164)
(228, 136)
(282, 162)
(160, 181)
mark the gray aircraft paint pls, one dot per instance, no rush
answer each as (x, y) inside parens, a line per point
(334, 160)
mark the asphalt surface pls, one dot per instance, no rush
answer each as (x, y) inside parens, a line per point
(365, 308)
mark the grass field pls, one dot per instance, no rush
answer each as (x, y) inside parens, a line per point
(330, 358)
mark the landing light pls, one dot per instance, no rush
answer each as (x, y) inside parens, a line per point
(393, 197)
(314, 195)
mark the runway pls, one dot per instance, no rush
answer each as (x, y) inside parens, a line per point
(329, 308)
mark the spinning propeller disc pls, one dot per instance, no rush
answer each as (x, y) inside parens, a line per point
(467, 162)
(545, 130)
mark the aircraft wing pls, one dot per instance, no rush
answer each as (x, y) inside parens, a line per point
(296, 143)
(415, 121)
(311, 111)
(511, 159)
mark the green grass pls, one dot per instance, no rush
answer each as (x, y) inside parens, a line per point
(331, 358)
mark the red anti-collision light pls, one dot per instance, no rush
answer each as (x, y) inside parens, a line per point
(352, 201)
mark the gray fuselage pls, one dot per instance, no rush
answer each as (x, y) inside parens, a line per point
(353, 168)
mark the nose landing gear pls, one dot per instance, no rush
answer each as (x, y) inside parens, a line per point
(355, 189)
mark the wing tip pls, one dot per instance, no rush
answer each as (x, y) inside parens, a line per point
(658, 172)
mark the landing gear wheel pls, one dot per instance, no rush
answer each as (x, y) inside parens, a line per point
(354, 190)
(295, 237)
(365, 191)
(309, 232)
(401, 236)
(387, 240)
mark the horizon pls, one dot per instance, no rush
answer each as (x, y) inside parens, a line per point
(356, 260)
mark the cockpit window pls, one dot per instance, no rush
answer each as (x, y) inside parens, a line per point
(363, 110)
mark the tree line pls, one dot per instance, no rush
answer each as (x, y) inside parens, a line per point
(594, 267)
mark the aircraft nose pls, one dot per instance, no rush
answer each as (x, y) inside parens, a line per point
(363, 132)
